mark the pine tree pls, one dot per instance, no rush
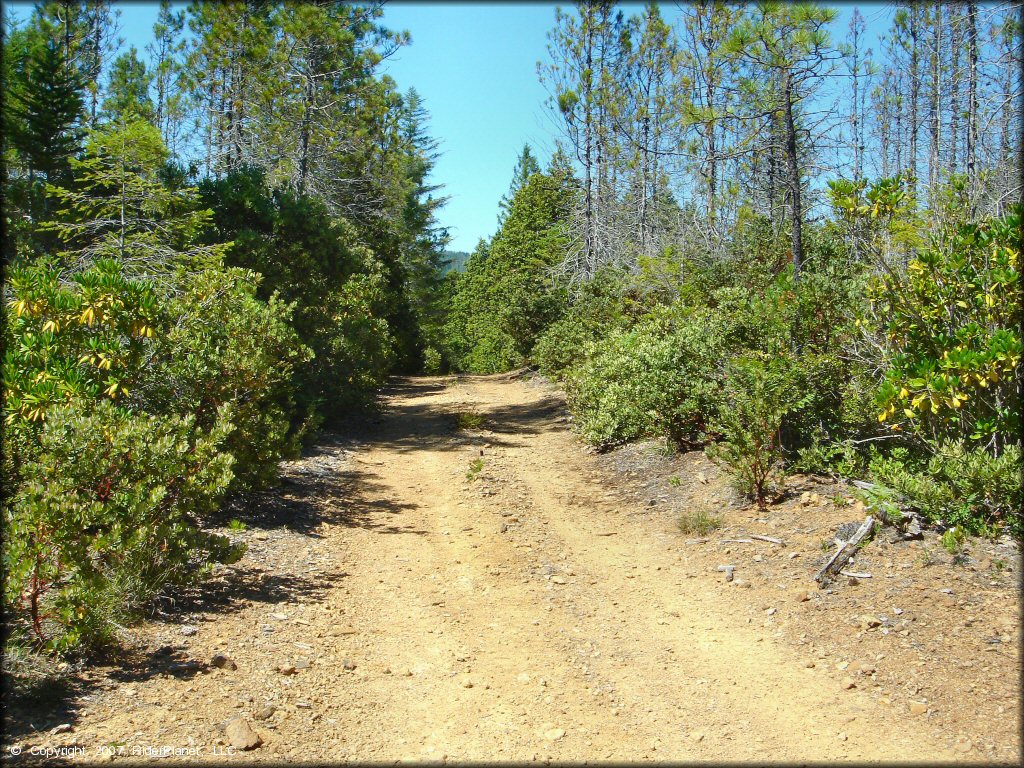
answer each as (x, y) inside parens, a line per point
(120, 207)
(526, 166)
(789, 44)
(46, 111)
(128, 92)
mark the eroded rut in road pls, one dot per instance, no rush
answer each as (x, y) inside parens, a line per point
(524, 614)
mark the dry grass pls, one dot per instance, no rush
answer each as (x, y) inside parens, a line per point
(700, 522)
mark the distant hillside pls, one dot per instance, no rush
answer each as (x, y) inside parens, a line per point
(456, 261)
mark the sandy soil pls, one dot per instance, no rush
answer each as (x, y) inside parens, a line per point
(390, 608)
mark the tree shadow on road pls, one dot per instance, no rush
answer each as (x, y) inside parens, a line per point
(410, 424)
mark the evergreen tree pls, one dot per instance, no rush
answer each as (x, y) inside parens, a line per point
(128, 92)
(121, 207)
(46, 111)
(526, 166)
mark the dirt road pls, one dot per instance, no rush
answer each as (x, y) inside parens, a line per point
(390, 608)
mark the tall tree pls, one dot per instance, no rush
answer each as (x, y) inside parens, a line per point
(583, 92)
(526, 166)
(46, 110)
(166, 51)
(128, 91)
(790, 45)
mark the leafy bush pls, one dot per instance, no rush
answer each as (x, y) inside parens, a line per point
(225, 346)
(952, 326)
(338, 289)
(958, 486)
(651, 380)
(87, 338)
(560, 346)
(759, 392)
(433, 361)
(108, 513)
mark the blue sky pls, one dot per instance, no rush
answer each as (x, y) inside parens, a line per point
(475, 66)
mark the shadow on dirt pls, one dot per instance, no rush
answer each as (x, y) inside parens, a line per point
(332, 484)
(409, 424)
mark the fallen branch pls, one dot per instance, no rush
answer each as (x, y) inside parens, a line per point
(855, 575)
(736, 541)
(844, 552)
(770, 539)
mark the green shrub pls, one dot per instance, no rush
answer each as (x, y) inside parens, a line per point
(958, 486)
(88, 338)
(595, 315)
(108, 513)
(759, 392)
(652, 380)
(700, 522)
(225, 346)
(433, 362)
(952, 326)
(469, 420)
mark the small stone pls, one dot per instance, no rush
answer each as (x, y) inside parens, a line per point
(853, 581)
(286, 669)
(241, 735)
(848, 683)
(554, 734)
(742, 584)
(697, 736)
(522, 677)
(867, 669)
(406, 673)
(842, 736)
(221, 661)
(265, 713)
(802, 596)
(188, 630)
(918, 707)
(62, 728)
(348, 665)
(302, 663)
(964, 745)
(558, 579)
(808, 665)
(869, 622)
(467, 682)
(771, 611)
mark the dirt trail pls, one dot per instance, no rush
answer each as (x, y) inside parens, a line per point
(524, 614)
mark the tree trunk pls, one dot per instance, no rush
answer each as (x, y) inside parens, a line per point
(304, 151)
(588, 153)
(796, 214)
(936, 106)
(915, 85)
(972, 94)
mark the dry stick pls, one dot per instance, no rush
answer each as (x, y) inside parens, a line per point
(771, 539)
(845, 552)
(737, 541)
